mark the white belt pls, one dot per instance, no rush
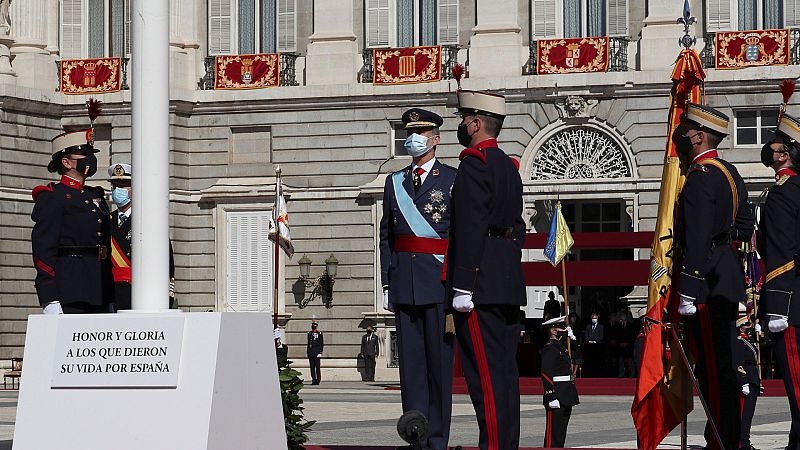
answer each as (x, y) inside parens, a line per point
(561, 378)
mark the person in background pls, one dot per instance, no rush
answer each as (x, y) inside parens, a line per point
(560, 394)
(594, 346)
(369, 350)
(552, 307)
(745, 363)
(281, 350)
(314, 348)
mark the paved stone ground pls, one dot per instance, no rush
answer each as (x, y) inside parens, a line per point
(366, 414)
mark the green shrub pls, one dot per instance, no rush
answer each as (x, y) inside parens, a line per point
(296, 425)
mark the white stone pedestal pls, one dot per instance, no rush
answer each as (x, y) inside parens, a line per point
(225, 392)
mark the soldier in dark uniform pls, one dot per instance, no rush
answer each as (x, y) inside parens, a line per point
(779, 245)
(484, 270)
(560, 394)
(70, 235)
(369, 350)
(413, 242)
(745, 362)
(120, 176)
(314, 347)
(713, 210)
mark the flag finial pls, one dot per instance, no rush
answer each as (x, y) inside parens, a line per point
(687, 20)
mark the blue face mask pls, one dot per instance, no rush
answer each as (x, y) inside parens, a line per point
(120, 196)
(416, 145)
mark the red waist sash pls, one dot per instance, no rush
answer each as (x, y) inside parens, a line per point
(415, 244)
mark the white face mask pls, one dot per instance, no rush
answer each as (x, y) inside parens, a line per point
(594, 320)
(416, 145)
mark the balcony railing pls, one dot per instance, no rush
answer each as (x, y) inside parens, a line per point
(287, 77)
(617, 56)
(449, 60)
(709, 52)
(124, 82)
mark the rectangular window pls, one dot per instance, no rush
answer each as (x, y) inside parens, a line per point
(398, 135)
(269, 17)
(377, 23)
(246, 26)
(773, 13)
(748, 19)
(448, 22)
(543, 19)
(572, 19)
(121, 28)
(220, 27)
(249, 269)
(718, 15)
(753, 127)
(791, 9)
(617, 17)
(405, 23)
(71, 45)
(287, 41)
(97, 36)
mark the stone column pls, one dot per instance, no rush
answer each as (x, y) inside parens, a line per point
(332, 56)
(659, 44)
(29, 32)
(497, 49)
(184, 44)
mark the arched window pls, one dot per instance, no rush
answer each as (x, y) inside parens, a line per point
(579, 153)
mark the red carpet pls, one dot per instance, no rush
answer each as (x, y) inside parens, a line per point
(605, 386)
(350, 447)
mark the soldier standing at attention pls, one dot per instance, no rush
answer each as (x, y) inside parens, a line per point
(484, 270)
(413, 242)
(314, 347)
(745, 359)
(779, 245)
(70, 236)
(120, 176)
(369, 350)
(712, 211)
(560, 394)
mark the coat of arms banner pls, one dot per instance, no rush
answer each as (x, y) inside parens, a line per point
(90, 76)
(737, 49)
(255, 71)
(556, 56)
(407, 65)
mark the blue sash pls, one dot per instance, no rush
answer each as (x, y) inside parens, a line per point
(419, 225)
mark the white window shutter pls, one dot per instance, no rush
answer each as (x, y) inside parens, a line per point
(377, 19)
(220, 27)
(71, 45)
(791, 13)
(543, 19)
(718, 15)
(250, 262)
(448, 22)
(287, 40)
(617, 17)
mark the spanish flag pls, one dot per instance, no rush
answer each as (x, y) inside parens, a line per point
(659, 403)
(559, 241)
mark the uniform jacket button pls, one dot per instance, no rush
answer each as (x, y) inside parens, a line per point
(99, 220)
(413, 255)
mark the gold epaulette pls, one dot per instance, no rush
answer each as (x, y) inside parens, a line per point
(782, 180)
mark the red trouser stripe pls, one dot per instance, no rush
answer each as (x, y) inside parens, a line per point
(548, 434)
(486, 380)
(710, 362)
(44, 267)
(790, 338)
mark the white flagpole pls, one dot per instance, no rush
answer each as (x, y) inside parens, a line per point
(276, 272)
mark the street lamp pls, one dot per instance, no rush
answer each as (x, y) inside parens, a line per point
(323, 284)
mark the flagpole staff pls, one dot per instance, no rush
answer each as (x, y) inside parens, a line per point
(276, 272)
(566, 302)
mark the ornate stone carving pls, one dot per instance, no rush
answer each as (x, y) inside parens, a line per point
(5, 17)
(576, 106)
(578, 153)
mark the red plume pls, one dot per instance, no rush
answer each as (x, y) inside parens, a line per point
(458, 72)
(787, 89)
(94, 107)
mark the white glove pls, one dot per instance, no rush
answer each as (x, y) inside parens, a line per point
(462, 302)
(777, 323)
(746, 389)
(319, 356)
(53, 308)
(386, 305)
(687, 308)
(276, 334)
(758, 328)
(554, 404)
(571, 334)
